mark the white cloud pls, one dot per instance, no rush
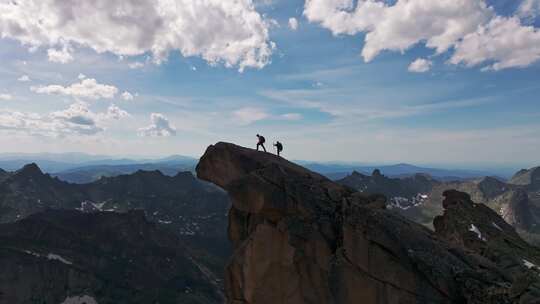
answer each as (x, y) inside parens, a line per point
(248, 115)
(24, 78)
(78, 114)
(5, 96)
(127, 96)
(87, 88)
(230, 32)
(77, 119)
(81, 76)
(504, 41)
(160, 126)
(114, 112)
(293, 24)
(420, 65)
(529, 9)
(136, 65)
(440, 25)
(62, 55)
(400, 26)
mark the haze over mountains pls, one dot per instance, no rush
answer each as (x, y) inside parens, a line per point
(85, 168)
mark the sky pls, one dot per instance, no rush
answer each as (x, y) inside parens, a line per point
(446, 82)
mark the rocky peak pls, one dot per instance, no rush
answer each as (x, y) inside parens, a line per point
(300, 238)
(29, 170)
(376, 173)
(357, 174)
(527, 177)
(491, 187)
(478, 228)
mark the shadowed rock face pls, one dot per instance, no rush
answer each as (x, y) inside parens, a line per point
(300, 238)
(49, 257)
(480, 229)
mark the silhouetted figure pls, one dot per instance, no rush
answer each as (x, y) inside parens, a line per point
(261, 142)
(279, 147)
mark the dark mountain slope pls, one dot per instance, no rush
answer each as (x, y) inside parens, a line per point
(108, 257)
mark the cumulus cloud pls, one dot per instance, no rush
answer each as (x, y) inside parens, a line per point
(127, 96)
(77, 119)
(24, 78)
(5, 96)
(114, 112)
(503, 40)
(160, 126)
(420, 65)
(62, 55)
(87, 88)
(440, 25)
(293, 24)
(230, 32)
(248, 115)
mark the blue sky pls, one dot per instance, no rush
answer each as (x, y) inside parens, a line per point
(336, 87)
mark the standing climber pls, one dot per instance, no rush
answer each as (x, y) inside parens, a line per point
(261, 142)
(279, 147)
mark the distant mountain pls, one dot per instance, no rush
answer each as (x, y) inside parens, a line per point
(55, 163)
(527, 177)
(193, 210)
(88, 174)
(338, 171)
(402, 193)
(67, 256)
(181, 201)
(420, 197)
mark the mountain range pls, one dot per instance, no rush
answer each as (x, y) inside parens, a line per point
(193, 211)
(420, 197)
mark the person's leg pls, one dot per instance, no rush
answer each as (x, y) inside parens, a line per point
(262, 145)
(258, 146)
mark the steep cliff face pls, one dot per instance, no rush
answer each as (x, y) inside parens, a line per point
(300, 238)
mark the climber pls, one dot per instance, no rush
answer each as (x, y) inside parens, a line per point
(279, 147)
(261, 142)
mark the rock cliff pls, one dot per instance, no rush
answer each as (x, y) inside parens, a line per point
(301, 238)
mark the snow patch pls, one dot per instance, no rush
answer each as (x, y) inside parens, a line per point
(475, 229)
(84, 299)
(529, 264)
(496, 226)
(52, 256)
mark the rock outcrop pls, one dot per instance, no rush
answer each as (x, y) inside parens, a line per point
(518, 210)
(301, 238)
(478, 228)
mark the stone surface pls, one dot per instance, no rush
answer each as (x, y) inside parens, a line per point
(301, 238)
